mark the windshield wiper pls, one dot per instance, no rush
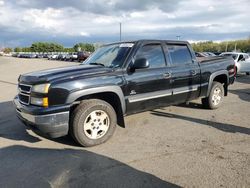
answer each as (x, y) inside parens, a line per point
(97, 64)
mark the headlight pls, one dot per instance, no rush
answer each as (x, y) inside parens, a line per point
(40, 101)
(41, 88)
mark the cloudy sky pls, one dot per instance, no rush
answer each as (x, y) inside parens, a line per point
(69, 21)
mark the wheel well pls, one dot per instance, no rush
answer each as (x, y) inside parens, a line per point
(111, 98)
(223, 80)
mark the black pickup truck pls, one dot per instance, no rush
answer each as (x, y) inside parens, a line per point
(90, 99)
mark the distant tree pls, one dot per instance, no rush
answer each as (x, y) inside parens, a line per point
(7, 50)
(69, 50)
(26, 49)
(240, 45)
(46, 47)
(84, 47)
(17, 49)
(89, 47)
(97, 45)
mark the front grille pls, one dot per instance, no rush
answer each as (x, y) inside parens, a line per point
(24, 93)
(24, 88)
(23, 98)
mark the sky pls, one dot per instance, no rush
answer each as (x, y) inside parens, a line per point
(67, 22)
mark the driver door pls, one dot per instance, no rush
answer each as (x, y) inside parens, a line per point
(149, 87)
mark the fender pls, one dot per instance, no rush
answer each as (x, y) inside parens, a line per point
(213, 75)
(114, 89)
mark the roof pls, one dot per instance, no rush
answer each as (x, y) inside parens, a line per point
(151, 40)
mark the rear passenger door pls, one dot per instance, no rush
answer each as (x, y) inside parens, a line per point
(185, 72)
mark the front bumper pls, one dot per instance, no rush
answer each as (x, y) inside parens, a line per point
(52, 122)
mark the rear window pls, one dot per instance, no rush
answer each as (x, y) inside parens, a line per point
(179, 54)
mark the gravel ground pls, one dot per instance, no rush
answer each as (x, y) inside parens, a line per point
(177, 146)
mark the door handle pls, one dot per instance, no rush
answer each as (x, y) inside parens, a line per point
(193, 72)
(167, 75)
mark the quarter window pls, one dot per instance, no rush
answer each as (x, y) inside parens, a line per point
(179, 54)
(153, 53)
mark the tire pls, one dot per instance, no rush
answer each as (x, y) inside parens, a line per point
(93, 122)
(247, 73)
(215, 97)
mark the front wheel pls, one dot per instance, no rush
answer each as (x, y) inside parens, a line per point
(215, 98)
(93, 122)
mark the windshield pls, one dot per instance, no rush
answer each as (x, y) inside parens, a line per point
(234, 56)
(111, 56)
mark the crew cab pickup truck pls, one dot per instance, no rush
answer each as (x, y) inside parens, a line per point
(90, 99)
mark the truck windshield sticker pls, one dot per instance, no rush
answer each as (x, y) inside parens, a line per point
(126, 45)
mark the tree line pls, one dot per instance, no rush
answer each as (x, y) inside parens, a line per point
(45, 47)
(226, 46)
(208, 46)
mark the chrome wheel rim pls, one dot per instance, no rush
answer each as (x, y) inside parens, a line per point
(96, 124)
(217, 95)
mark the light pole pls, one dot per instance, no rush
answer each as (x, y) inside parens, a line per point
(120, 31)
(235, 47)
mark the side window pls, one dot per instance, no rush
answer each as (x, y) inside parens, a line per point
(153, 53)
(179, 54)
(241, 57)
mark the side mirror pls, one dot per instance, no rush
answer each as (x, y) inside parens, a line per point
(140, 63)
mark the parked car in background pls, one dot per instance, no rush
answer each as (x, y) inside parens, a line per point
(67, 57)
(209, 54)
(71, 56)
(61, 57)
(200, 54)
(81, 56)
(74, 57)
(14, 54)
(217, 53)
(53, 57)
(27, 55)
(45, 55)
(39, 55)
(242, 61)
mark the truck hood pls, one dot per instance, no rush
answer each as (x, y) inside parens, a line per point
(62, 73)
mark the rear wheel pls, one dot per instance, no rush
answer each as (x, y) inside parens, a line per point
(215, 98)
(93, 122)
(247, 73)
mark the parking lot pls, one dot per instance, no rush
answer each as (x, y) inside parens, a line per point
(177, 146)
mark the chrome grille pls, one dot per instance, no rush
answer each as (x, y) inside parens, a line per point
(24, 93)
(24, 88)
